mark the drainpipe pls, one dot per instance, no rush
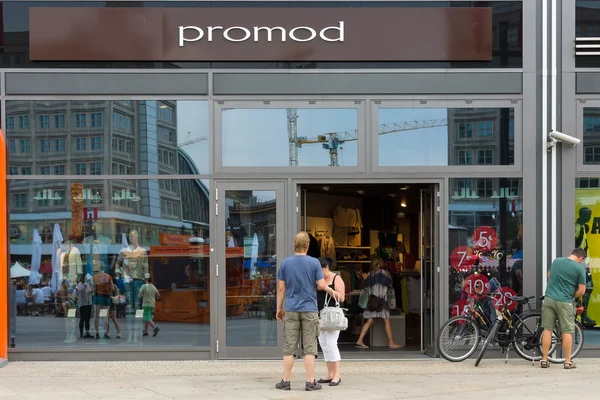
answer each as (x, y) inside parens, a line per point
(544, 144)
(553, 127)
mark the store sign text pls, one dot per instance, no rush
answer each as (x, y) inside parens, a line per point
(242, 34)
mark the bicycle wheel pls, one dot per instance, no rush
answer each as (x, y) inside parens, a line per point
(528, 337)
(458, 338)
(488, 340)
(576, 346)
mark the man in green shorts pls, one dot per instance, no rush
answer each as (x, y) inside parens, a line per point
(299, 277)
(566, 281)
(148, 293)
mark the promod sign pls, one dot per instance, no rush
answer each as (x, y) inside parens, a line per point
(249, 34)
(257, 33)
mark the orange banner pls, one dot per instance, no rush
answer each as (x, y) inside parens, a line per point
(173, 239)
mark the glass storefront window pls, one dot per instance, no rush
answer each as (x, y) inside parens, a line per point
(70, 239)
(446, 136)
(485, 239)
(318, 137)
(251, 263)
(103, 137)
(587, 237)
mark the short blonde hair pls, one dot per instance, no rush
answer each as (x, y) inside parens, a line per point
(301, 242)
(376, 263)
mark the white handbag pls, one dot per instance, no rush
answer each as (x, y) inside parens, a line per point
(332, 318)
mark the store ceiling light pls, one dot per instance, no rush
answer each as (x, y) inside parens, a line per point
(163, 106)
(325, 188)
(403, 204)
(360, 191)
(392, 195)
(404, 188)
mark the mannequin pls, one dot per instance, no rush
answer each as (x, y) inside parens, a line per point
(132, 264)
(97, 248)
(582, 228)
(72, 266)
(230, 239)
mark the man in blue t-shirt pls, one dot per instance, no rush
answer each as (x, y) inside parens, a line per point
(299, 277)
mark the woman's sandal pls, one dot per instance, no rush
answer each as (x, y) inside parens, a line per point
(545, 364)
(570, 365)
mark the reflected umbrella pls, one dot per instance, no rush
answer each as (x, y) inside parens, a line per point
(36, 258)
(57, 240)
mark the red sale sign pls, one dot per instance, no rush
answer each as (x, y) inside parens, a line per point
(463, 258)
(485, 238)
(499, 299)
(476, 286)
(461, 307)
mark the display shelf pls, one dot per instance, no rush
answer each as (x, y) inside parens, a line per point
(352, 248)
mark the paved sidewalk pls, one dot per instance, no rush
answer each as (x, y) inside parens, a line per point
(413, 379)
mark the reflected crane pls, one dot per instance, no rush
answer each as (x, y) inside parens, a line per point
(189, 140)
(333, 141)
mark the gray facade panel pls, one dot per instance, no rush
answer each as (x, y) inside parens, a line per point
(48, 83)
(588, 83)
(367, 83)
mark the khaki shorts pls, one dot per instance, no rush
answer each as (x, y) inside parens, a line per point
(562, 311)
(301, 324)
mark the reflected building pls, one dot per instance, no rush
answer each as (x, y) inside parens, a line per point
(591, 136)
(100, 138)
(485, 137)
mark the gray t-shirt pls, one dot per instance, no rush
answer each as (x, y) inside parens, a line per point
(300, 274)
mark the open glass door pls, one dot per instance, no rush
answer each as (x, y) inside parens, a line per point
(428, 230)
(250, 226)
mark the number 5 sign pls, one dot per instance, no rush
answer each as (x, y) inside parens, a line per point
(485, 238)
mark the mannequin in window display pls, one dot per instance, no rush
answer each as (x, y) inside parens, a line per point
(97, 249)
(70, 261)
(582, 228)
(132, 264)
(230, 240)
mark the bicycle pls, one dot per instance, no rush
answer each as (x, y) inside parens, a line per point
(521, 330)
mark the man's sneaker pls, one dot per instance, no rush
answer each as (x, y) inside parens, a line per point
(283, 385)
(310, 386)
(155, 331)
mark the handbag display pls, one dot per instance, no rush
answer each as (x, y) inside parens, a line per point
(332, 318)
(392, 298)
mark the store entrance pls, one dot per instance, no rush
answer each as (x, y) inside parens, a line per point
(359, 226)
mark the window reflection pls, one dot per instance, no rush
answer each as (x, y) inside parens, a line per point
(251, 254)
(289, 137)
(591, 135)
(69, 232)
(453, 136)
(108, 137)
(485, 238)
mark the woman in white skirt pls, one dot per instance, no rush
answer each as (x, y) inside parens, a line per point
(329, 340)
